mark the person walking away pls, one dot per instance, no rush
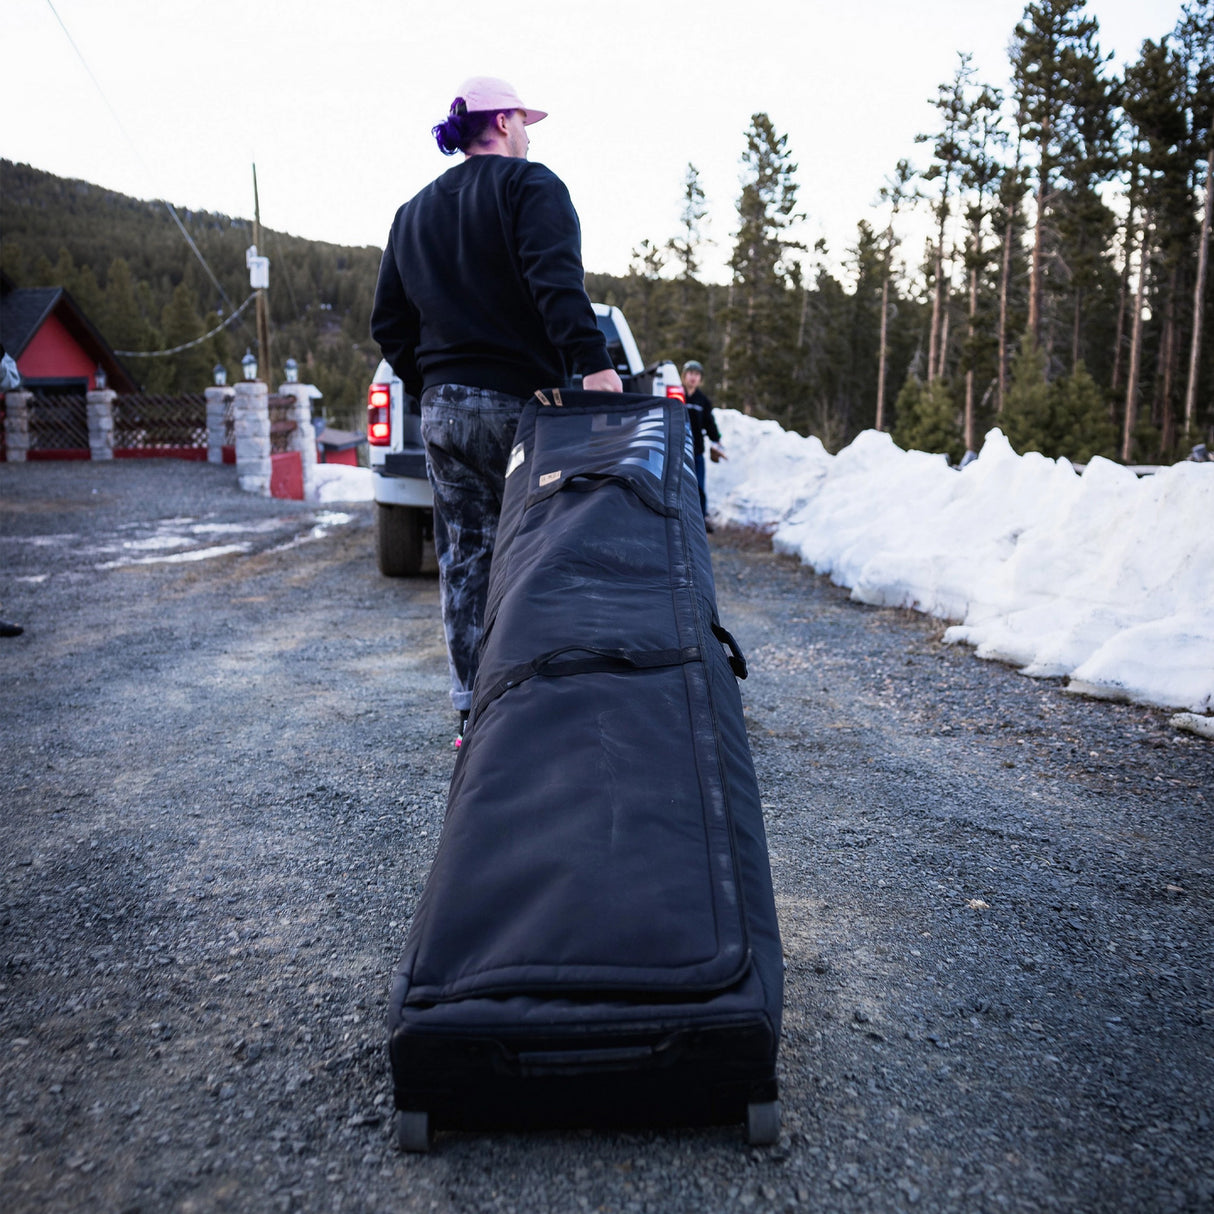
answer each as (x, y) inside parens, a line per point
(699, 414)
(480, 301)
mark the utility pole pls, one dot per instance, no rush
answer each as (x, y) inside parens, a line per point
(263, 303)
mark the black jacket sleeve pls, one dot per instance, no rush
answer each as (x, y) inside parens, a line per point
(395, 324)
(549, 239)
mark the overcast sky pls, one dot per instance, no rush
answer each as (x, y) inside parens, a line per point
(334, 100)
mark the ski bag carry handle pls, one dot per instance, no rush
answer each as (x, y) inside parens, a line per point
(737, 659)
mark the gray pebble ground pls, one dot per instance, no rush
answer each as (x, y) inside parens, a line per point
(223, 780)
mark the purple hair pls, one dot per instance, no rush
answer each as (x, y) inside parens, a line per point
(462, 128)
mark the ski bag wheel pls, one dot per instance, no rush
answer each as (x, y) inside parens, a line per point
(414, 1131)
(763, 1123)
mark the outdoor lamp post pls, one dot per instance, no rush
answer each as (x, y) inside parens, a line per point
(249, 364)
(292, 369)
(220, 375)
(99, 378)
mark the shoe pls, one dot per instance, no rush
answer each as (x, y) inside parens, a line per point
(10, 630)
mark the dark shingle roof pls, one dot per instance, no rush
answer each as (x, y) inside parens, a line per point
(21, 312)
(24, 309)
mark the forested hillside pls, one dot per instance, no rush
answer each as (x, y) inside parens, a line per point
(1060, 293)
(128, 265)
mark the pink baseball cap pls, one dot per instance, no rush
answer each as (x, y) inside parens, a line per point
(482, 93)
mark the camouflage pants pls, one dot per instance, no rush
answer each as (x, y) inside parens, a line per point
(468, 434)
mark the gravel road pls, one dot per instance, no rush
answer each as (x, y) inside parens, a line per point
(226, 754)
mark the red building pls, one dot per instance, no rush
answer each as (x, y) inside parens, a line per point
(57, 348)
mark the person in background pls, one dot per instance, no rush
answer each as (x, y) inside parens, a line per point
(10, 379)
(480, 301)
(699, 414)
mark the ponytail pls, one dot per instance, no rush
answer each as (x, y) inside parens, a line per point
(461, 128)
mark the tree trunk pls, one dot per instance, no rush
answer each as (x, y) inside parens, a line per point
(942, 354)
(882, 354)
(1123, 292)
(1035, 269)
(1131, 392)
(933, 337)
(1167, 416)
(727, 343)
(970, 333)
(1004, 275)
(1075, 329)
(748, 398)
(1199, 293)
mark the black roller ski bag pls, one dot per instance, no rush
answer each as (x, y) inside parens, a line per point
(597, 941)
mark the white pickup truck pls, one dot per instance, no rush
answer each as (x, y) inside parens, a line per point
(404, 504)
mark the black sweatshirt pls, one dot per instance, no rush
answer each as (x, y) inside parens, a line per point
(481, 283)
(702, 421)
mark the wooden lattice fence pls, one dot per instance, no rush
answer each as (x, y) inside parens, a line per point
(58, 423)
(149, 423)
(281, 424)
(144, 424)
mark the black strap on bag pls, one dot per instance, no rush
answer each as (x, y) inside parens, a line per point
(737, 659)
(593, 661)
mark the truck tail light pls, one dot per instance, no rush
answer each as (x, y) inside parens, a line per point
(379, 415)
(675, 392)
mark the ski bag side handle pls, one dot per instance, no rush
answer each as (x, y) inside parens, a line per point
(737, 659)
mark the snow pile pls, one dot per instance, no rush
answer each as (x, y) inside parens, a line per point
(342, 483)
(1103, 577)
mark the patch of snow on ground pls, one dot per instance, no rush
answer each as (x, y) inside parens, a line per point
(1105, 577)
(342, 483)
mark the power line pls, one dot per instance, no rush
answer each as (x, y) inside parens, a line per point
(139, 155)
(189, 344)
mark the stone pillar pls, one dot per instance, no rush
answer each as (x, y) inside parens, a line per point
(252, 427)
(16, 426)
(303, 437)
(217, 399)
(100, 409)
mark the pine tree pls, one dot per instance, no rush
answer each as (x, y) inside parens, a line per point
(980, 169)
(686, 245)
(947, 152)
(64, 272)
(1080, 421)
(1028, 415)
(906, 408)
(1154, 104)
(1054, 56)
(1196, 32)
(648, 307)
(1008, 222)
(895, 194)
(763, 315)
(863, 321)
(1085, 224)
(124, 323)
(180, 323)
(928, 419)
(87, 294)
(690, 333)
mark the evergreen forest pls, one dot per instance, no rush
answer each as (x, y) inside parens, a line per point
(128, 266)
(1060, 293)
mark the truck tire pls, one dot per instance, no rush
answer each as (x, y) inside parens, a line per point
(398, 539)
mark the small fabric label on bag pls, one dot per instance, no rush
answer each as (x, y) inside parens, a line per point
(548, 478)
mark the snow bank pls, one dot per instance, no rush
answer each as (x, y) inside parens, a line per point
(1105, 578)
(342, 483)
